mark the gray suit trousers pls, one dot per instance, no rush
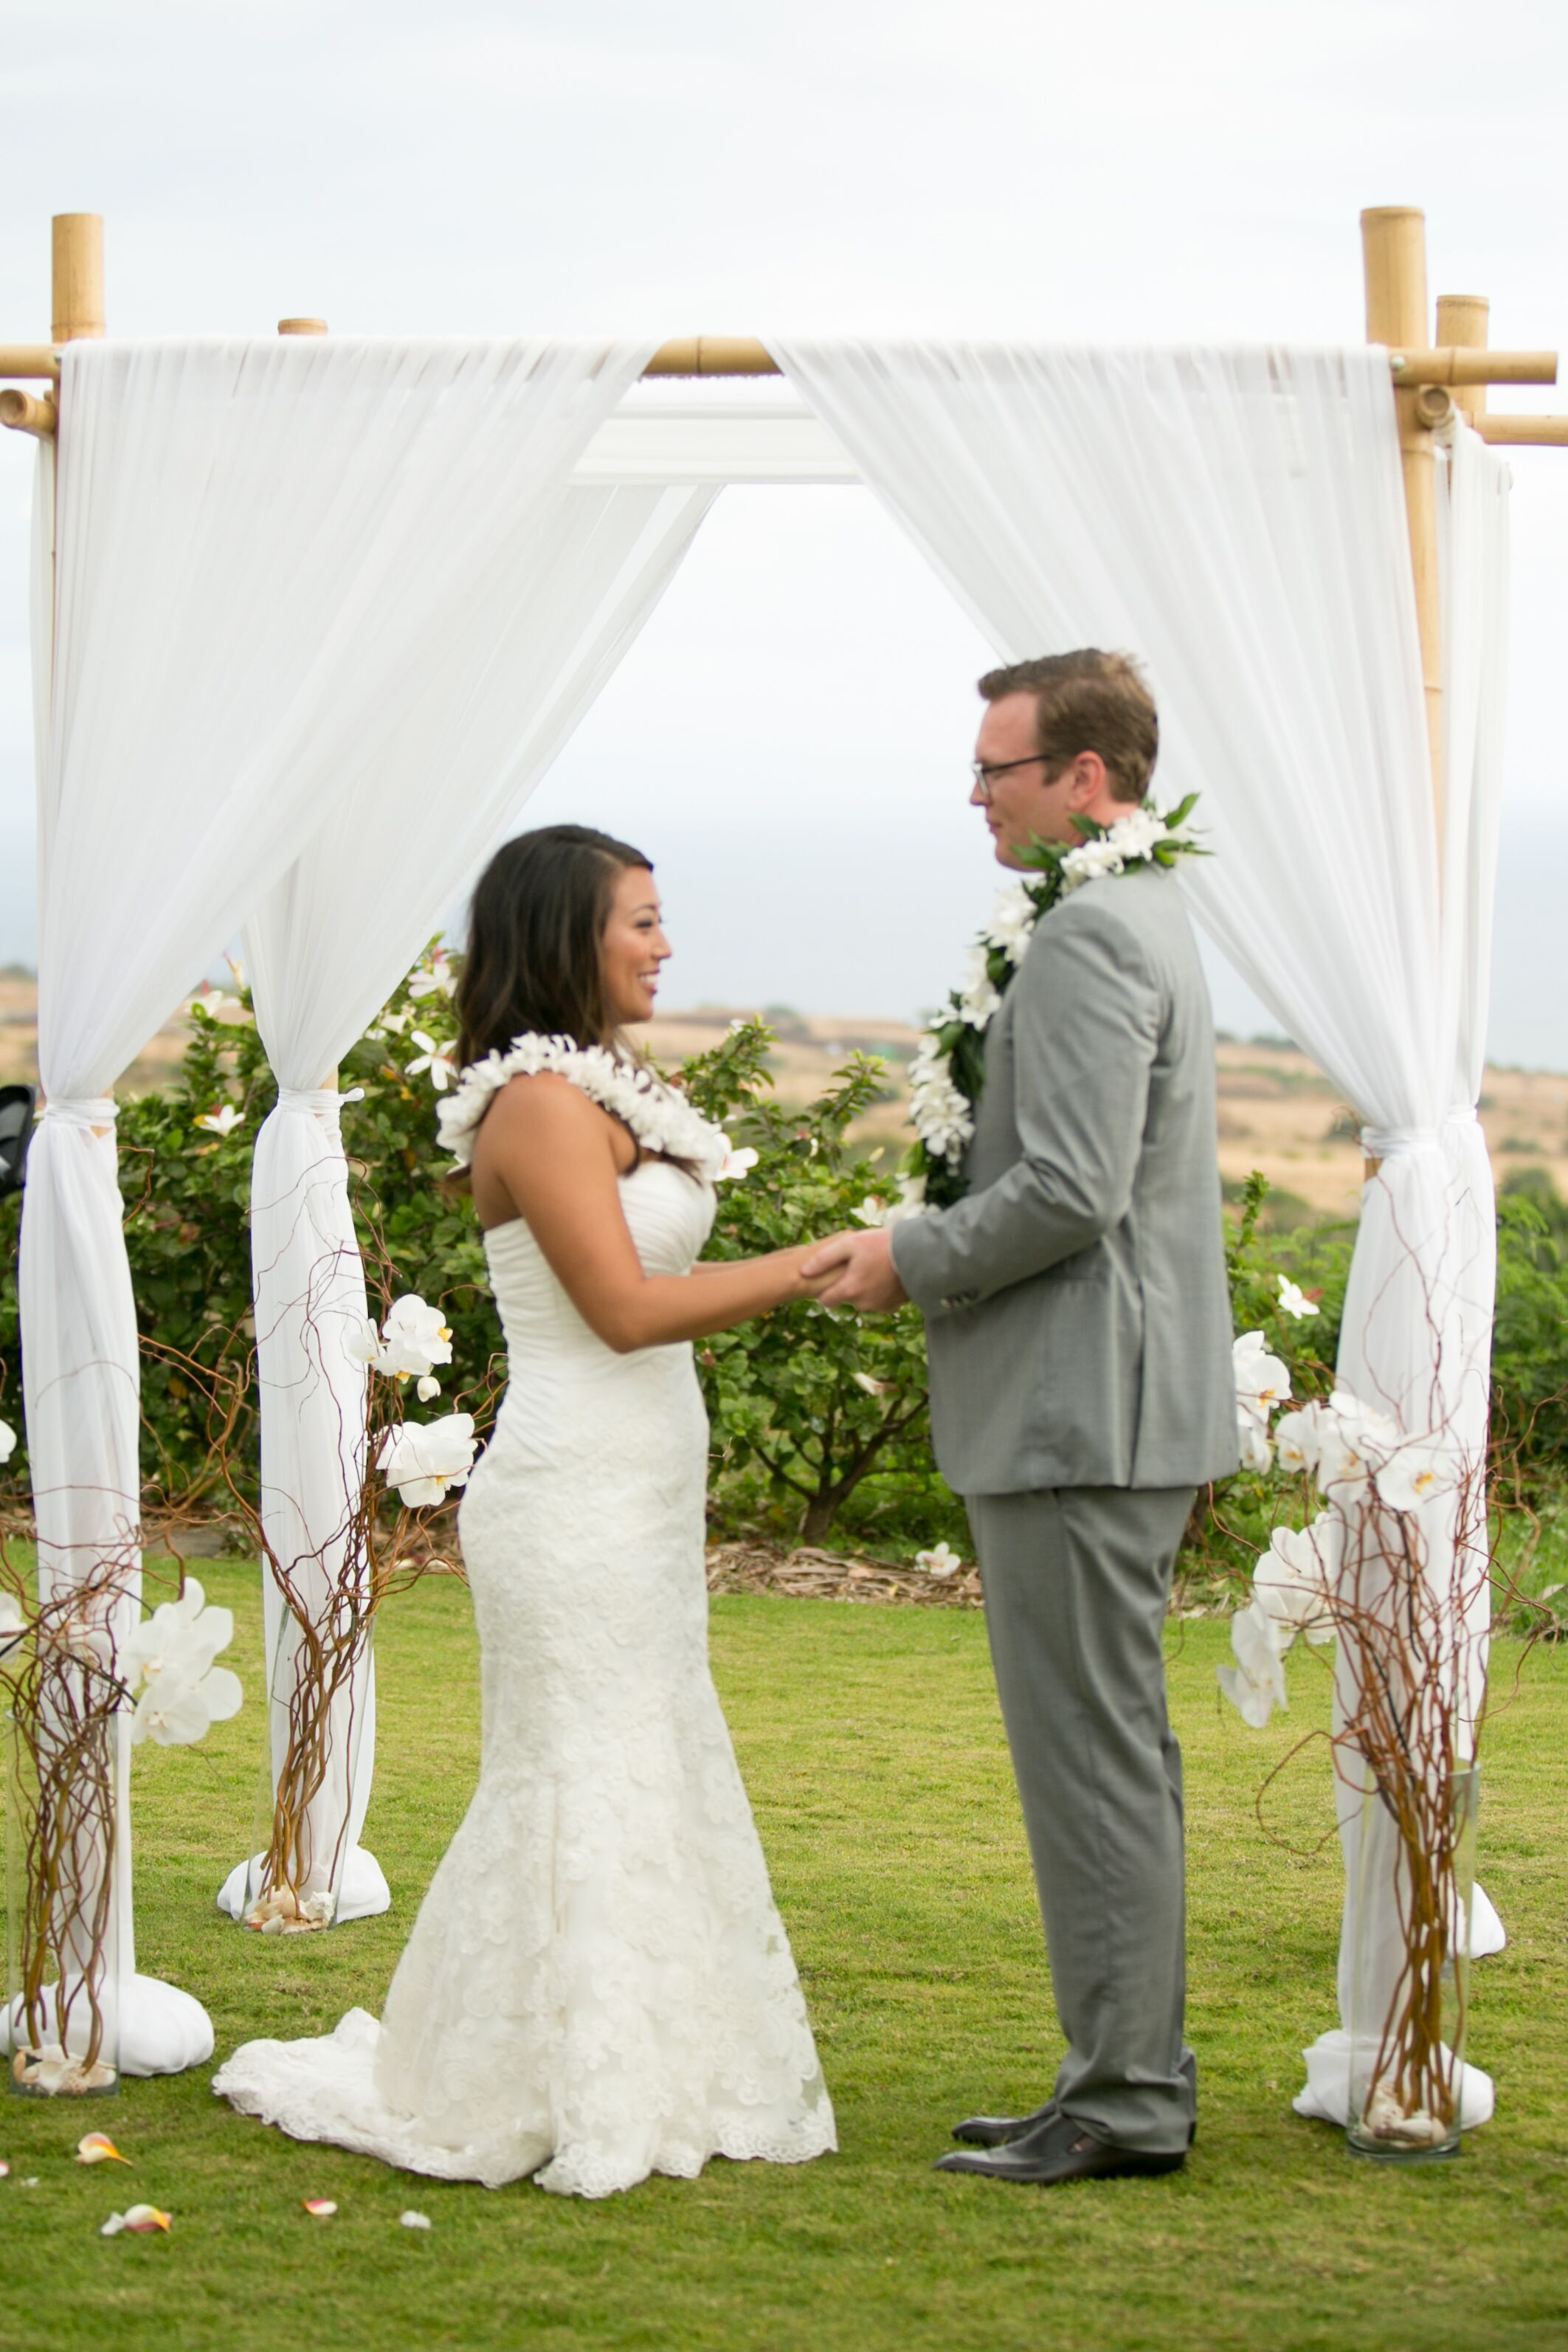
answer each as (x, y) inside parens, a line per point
(1076, 1583)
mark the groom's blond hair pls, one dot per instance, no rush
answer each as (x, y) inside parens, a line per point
(1087, 701)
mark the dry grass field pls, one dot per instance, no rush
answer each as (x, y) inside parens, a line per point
(1277, 1112)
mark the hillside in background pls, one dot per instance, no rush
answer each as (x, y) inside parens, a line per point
(1278, 1113)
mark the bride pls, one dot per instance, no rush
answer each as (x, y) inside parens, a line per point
(598, 1986)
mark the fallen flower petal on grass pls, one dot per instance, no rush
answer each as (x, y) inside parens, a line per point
(138, 2219)
(4, 2168)
(321, 2209)
(412, 2220)
(97, 2147)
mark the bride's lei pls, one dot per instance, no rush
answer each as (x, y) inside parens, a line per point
(660, 1119)
(947, 1071)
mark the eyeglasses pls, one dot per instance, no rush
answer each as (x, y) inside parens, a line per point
(982, 770)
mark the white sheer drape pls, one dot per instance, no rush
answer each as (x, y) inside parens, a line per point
(442, 775)
(259, 549)
(1237, 519)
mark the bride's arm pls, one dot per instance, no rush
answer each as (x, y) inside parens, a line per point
(553, 1153)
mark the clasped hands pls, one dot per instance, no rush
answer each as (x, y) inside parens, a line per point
(856, 1270)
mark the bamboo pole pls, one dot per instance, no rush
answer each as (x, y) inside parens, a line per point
(1393, 258)
(25, 413)
(78, 276)
(319, 327)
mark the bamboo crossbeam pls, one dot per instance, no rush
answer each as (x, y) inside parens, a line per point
(1524, 432)
(1454, 364)
(24, 412)
(713, 355)
(38, 360)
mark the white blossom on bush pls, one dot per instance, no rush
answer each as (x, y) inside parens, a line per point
(1294, 1299)
(435, 1058)
(7, 1441)
(219, 1121)
(170, 1656)
(435, 976)
(735, 1163)
(423, 1459)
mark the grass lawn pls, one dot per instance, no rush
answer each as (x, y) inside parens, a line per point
(871, 1744)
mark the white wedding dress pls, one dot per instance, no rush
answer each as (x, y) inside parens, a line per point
(598, 1985)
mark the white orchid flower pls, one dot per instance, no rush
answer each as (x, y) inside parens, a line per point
(428, 1387)
(7, 1441)
(436, 1059)
(941, 1561)
(1252, 1440)
(423, 1459)
(735, 1163)
(415, 1339)
(1293, 1300)
(222, 1121)
(1261, 1379)
(1416, 1472)
(1255, 1685)
(181, 1639)
(176, 1713)
(170, 1654)
(1293, 1583)
(363, 1343)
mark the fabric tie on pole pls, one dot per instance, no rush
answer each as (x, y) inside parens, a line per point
(90, 1111)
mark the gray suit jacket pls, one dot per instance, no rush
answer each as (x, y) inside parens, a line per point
(1077, 1315)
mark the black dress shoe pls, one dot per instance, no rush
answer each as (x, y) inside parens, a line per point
(1056, 2150)
(995, 2131)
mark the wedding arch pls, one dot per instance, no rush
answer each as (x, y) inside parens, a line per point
(293, 595)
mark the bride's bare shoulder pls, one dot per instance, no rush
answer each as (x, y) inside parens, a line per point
(543, 1111)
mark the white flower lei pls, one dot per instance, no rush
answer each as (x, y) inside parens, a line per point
(660, 1119)
(944, 1073)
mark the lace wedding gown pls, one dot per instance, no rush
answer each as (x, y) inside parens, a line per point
(598, 1983)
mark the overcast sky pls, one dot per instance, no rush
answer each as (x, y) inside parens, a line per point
(789, 738)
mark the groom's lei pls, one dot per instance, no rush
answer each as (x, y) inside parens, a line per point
(947, 1071)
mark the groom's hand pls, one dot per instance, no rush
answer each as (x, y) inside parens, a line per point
(860, 1272)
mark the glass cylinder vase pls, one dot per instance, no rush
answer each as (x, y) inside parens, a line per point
(1410, 1965)
(60, 2025)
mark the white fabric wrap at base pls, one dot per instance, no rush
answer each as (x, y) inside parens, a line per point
(309, 1292)
(1237, 519)
(80, 1369)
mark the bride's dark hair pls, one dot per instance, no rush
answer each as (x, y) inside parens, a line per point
(537, 916)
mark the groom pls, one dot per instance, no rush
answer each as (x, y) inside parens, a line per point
(1079, 1332)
